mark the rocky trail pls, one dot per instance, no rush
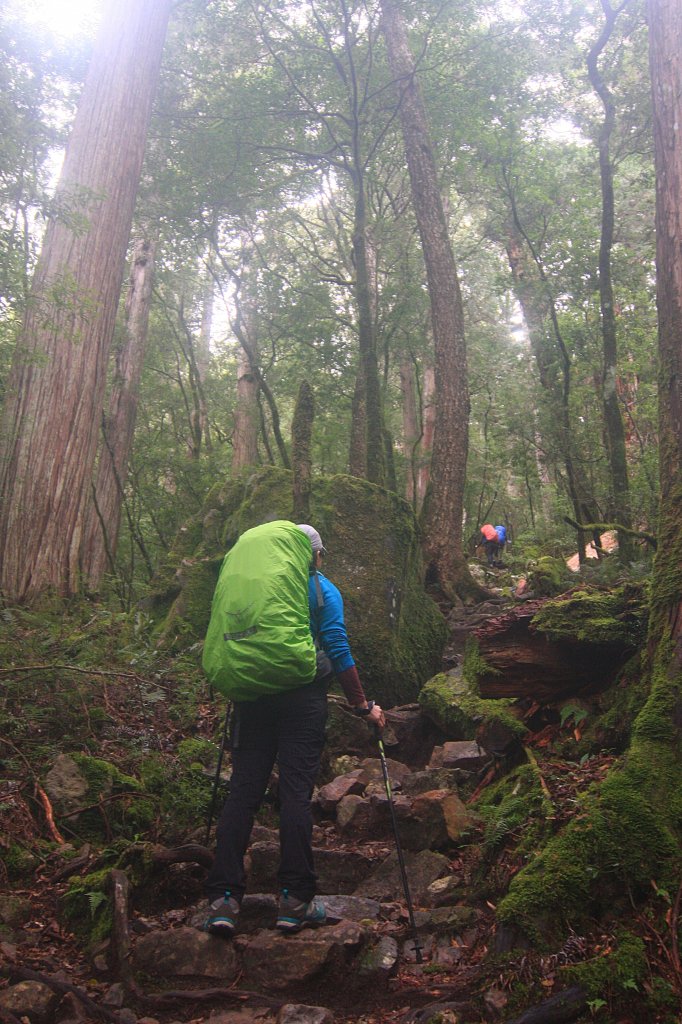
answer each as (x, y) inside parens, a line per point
(369, 964)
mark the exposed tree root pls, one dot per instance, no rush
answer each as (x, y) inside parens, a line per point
(17, 973)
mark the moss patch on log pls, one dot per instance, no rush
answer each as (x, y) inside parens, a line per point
(617, 617)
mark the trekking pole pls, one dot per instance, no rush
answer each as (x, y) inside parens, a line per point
(216, 779)
(401, 860)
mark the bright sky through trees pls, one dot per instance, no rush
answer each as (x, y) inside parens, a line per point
(61, 18)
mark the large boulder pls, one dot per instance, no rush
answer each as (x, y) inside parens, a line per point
(397, 633)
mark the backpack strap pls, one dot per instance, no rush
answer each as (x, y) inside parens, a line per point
(318, 590)
(324, 665)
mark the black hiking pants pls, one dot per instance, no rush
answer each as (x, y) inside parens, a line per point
(288, 728)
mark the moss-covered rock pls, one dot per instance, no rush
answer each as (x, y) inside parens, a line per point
(603, 618)
(397, 633)
(548, 576)
(451, 700)
(106, 798)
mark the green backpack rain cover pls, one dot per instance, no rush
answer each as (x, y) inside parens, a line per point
(258, 639)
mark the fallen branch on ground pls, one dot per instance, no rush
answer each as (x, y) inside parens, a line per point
(85, 671)
(49, 815)
(62, 988)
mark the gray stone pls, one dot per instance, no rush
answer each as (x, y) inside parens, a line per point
(15, 911)
(278, 962)
(255, 1015)
(338, 871)
(385, 882)
(298, 1013)
(328, 797)
(65, 783)
(381, 958)
(372, 771)
(438, 818)
(444, 891)
(357, 816)
(434, 778)
(466, 754)
(30, 999)
(352, 908)
(115, 995)
(185, 952)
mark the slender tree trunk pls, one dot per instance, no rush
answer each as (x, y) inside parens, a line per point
(301, 457)
(247, 415)
(370, 387)
(100, 537)
(357, 455)
(50, 423)
(202, 359)
(411, 428)
(428, 417)
(443, 508)
(613, 421)
(665, 632)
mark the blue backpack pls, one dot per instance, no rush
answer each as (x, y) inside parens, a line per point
(501, 532)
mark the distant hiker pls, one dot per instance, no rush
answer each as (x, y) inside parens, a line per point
(501, 532)
(272, 598)
(490, 542)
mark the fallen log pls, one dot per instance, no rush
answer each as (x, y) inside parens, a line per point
(522, 662)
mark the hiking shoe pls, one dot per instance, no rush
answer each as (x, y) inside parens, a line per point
(294, 914)
(222, 916)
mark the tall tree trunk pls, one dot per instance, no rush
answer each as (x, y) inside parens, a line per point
(613, 421)
(665, 633)
(50, 423)
(301, 457)
(443, 508)
(100, 535)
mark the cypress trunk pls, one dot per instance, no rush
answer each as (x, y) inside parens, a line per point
(50, 424)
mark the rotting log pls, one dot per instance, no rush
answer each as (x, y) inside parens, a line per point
(524, 663)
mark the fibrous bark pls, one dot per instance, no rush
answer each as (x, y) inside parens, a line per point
(301, 435)
(50, 425)
(443, 508)
(613, 421)
(103, 519)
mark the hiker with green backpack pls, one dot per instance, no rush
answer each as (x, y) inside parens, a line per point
(276, 639)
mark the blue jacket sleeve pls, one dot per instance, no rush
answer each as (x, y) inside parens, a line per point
(327, 623)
